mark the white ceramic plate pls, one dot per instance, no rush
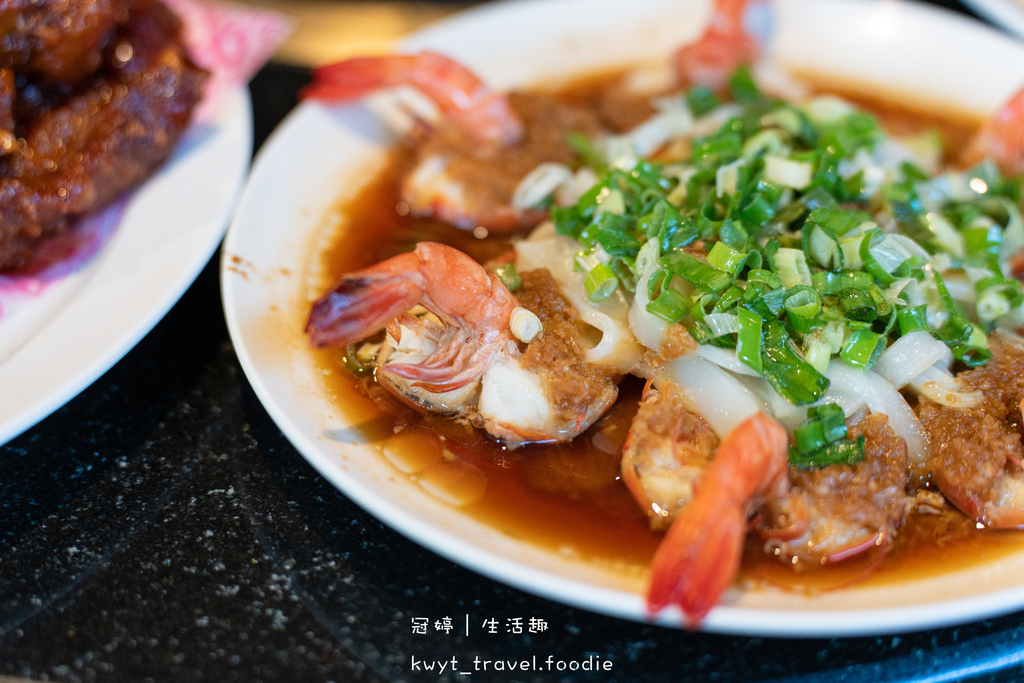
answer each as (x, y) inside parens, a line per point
(67, 335)
(270, 255)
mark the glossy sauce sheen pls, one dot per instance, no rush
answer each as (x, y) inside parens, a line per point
(570, 497)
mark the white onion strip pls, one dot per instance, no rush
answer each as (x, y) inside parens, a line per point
(853, 389)
(539, 184)
(712, 392)
(726, 358)
(941, 387)
(909, 356)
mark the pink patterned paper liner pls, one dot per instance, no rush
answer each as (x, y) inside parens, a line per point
(233, 43)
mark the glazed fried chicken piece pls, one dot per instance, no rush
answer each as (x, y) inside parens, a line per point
(61, 40)
(79, 154)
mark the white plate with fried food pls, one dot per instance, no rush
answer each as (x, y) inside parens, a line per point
(297, 205)
(67, 331)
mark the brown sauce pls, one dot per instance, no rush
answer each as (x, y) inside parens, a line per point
(569, 498)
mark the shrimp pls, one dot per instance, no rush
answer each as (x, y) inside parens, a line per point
(666, 451)
(805, 516)
(977, 452)
(463, 358)
(700, 555)
(724, 46)
(465, 102)
(468, 166)
(844, 510)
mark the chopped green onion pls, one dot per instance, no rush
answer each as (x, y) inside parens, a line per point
(584, 147)
(857, 304)
(664, 301)
(748, 339)
(696, 272)
(787, 172)
(913, 320)
(810, 436)
(822, 246)
(845, 452)
(509, 276)
(802, 301)
(833, 421)
(611, 202)
(724, 257)
(727, 177)
(817, 352)
(863, 349)
(701, 100)
(790, 375)
(359, 360)
(834, 283)
(600, 282)
(944, 235)
(837, 221)
(730, 297)
(791, 267)
(769, 278)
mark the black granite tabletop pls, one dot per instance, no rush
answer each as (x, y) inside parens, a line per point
(159, 527)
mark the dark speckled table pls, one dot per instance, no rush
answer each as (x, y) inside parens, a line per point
(159, 527)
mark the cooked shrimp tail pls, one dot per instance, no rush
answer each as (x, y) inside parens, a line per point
(446, 281)
(461, 97)
(700, 554)
(698, 558)
(724, 46)
(364, 302)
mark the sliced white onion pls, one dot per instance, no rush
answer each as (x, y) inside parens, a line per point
(782, 409)
(854, 389)
(715, 119)
(648, 328)
(570, 193)
(725, 358)
(788, 172)
(539, 184)
(939, 386)
(712, 392)
(909, 356)
(722, 323)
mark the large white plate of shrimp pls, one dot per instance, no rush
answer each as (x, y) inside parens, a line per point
(821, 311)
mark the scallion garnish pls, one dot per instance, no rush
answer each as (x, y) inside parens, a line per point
(821, 440)
(817, 245)
(509, 276)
